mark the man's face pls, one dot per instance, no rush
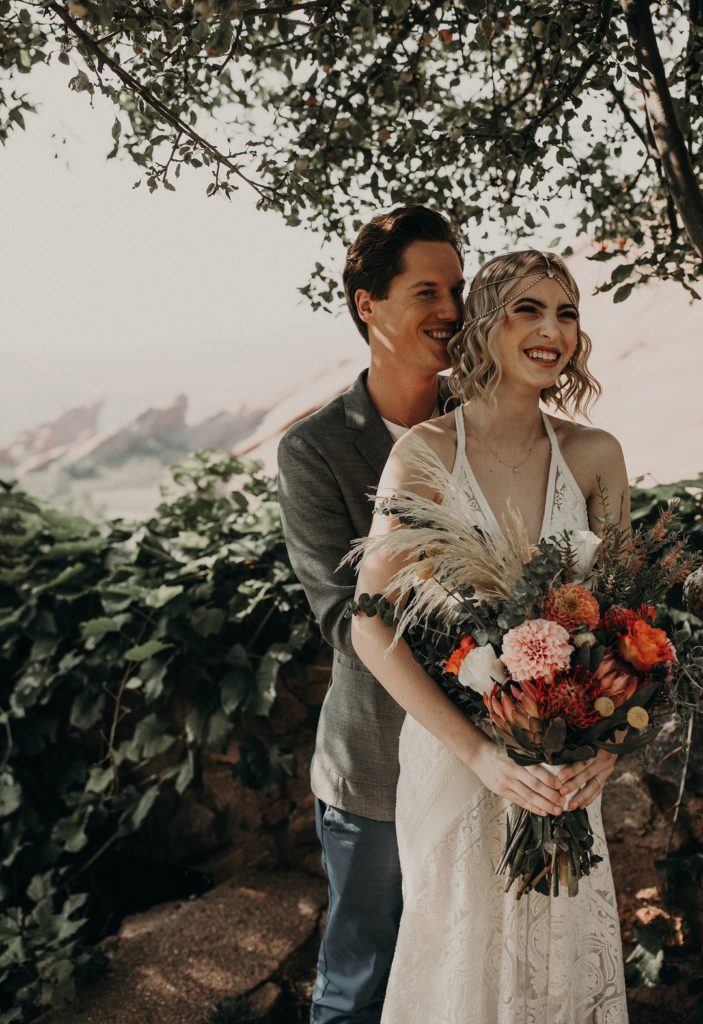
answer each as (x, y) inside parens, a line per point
(422, 311)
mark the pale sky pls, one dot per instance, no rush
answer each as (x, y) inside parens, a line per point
(115, 293)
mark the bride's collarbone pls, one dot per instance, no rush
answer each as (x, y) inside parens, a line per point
(524, 491)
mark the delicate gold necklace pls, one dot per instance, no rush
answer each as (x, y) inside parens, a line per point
(515, 469)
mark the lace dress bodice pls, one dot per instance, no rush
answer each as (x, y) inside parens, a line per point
(564, 505)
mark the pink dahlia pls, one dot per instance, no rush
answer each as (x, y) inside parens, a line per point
(537, 649)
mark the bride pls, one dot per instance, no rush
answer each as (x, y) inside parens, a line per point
(469, 953)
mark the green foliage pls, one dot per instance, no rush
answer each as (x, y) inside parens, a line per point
(493, 112)
(125, 651)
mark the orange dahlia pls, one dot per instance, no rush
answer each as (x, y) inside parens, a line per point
(453, 662)
(571, 605)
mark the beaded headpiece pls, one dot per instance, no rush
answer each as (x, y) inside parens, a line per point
(549, 271)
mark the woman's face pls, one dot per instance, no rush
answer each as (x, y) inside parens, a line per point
(539, 334)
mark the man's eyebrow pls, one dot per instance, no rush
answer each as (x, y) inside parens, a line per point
(433, 284)
(542, 305)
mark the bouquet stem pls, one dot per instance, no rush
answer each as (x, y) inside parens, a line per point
(547, 853)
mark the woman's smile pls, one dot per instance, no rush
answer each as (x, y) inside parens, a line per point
(541, 354)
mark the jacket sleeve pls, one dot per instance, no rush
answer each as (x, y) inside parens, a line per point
(318, 532)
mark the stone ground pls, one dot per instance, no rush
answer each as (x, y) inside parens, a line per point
(235, 955)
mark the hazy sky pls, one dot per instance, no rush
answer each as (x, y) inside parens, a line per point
(115, 293)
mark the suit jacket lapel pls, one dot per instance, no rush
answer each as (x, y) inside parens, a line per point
(373, 440)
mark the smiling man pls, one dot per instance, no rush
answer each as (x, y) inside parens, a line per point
(403, 282)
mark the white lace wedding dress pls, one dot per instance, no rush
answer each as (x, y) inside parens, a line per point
(467, 952)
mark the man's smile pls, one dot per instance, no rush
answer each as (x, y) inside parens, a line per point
(440, 333)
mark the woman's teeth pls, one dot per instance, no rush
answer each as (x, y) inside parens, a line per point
(541, 355)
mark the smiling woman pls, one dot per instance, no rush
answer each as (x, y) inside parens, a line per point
(522, 343)
(524, 292)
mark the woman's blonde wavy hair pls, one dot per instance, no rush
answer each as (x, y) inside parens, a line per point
(476, 371)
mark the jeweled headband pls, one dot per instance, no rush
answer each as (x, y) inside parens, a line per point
(547, 272)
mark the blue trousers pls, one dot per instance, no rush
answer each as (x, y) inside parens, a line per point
(360, 859)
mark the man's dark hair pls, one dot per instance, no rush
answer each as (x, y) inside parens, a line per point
(376, 255)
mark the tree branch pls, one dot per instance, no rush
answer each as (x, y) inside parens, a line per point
(619, 98)
(570, 87)
(646, 137)
(136, 87)
(668, 137)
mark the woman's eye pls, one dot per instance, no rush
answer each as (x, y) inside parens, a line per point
(525, 309)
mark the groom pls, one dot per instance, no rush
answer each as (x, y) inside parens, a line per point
(403, 283)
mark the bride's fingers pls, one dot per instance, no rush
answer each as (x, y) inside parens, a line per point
(568, 773)
(545, 776)
(588, 794)
(529, 797)
(585, 773)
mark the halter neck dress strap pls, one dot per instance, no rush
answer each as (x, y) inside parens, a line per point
(460, 455)
(550, 434)
(566, 504)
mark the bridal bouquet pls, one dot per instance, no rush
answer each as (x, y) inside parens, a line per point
(553, 647)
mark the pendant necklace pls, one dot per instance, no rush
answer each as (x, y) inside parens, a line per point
(515, 469)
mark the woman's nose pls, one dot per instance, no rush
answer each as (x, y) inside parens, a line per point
(549, 327)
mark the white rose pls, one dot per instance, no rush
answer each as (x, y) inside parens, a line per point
(480, 669)
(585, 545)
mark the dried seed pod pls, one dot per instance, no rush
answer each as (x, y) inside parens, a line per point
(693, 592)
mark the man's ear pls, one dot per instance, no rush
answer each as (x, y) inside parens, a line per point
(364, 304)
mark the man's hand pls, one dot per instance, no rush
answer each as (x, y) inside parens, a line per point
(586, 778)
(533, 788)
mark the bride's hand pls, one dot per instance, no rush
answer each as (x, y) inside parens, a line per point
(588, 777)
(533, 788)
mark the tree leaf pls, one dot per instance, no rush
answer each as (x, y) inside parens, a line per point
(146, 650)
(623, 292)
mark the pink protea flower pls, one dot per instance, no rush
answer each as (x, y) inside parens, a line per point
(615, 680)
(537, 649)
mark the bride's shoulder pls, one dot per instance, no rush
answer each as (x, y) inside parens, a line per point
(587, 444)
(579, 438)
(439, 434)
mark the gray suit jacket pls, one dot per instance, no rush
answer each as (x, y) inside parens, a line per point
(328, 464)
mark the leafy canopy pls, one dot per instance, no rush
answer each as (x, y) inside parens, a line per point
(499, 114)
